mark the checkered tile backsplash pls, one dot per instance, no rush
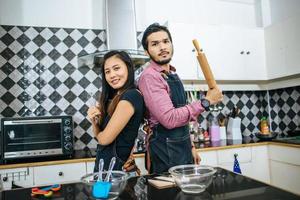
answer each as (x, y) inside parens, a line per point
(252, 105)
(39, 75)
(285, 109)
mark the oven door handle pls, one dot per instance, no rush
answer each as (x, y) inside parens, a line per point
(33, 121)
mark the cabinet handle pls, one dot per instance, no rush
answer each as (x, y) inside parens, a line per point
(60, 173)
(242, 52)
(248, 52)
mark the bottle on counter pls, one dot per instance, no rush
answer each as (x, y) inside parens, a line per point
(264, 127)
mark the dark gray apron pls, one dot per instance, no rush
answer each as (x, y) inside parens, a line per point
(171, 147)
(107, 152)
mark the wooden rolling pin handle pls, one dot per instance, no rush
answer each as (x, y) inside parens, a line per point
(209, 77)
(197, 46)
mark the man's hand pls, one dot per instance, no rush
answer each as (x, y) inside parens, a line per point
(214, 96)
(196, 156)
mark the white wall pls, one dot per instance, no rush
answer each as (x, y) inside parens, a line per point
(53, 13)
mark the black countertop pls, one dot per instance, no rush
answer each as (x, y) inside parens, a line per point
(225, 185)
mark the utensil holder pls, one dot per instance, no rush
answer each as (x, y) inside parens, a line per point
(223, 133)
(214, 132)
(101, 189)
(234, 129)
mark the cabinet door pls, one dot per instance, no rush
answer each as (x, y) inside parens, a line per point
(285, 167)
(242, 54)
(22, 177)
(90, 167)
(291, 33)
(275, 51)
(54, 174)
(254, 55)
(282, 48)
(226, 159)
(285, 176)
(208, 158)
(231, 51)
(260, 164)
(184, 59)
(208, 38)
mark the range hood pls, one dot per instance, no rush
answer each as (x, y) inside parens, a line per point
(121, 34)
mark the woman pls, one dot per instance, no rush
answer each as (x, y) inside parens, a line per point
(116, 120)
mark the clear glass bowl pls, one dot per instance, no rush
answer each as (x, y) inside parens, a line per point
(118, 180)
(192, 179)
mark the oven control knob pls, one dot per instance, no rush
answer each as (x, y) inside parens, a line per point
(67, 129)
(68, 146)
(67, 122)
(68, 138)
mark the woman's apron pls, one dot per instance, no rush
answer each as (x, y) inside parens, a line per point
(171, 147)
(107, 152)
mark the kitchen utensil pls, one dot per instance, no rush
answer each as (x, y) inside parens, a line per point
(118, 181)
(111, 166)
(101, 165)
(204, 66)
(222, 133)
(192, 179)
(234, 129)
(101, 188)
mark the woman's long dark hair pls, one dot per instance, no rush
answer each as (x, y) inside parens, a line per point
(108, 92)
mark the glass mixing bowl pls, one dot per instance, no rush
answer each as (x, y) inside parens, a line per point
(192, 179)
(118, 180)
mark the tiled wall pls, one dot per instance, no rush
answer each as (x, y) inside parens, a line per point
(252, 105)
(285, 109)
(39, 75)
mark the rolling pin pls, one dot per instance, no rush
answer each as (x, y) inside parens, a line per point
(209, 77)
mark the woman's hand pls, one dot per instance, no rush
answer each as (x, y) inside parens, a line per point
(214, 95)
(94, 114)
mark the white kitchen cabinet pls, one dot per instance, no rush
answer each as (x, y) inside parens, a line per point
(233, 53)
(22, 177)
(260, 169)
(282, 48)
(55, 174)
(241, 54)
(90, 167)
(253, 161)
(208, 158)
(226, 159)
(184, 59)
(285, 168)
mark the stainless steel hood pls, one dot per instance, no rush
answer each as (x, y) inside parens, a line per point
(121, 33)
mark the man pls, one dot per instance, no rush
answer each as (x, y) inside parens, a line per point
(165, 99)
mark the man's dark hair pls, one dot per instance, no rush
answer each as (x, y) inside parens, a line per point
(155, 27)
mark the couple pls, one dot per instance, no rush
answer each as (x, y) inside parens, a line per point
(121, 107)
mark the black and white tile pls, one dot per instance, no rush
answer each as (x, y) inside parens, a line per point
(39, 74)
(252, 105)
(285, 109)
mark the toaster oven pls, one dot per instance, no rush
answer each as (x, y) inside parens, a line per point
(30, 137)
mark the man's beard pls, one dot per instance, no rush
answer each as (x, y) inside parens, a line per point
(160, 62)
